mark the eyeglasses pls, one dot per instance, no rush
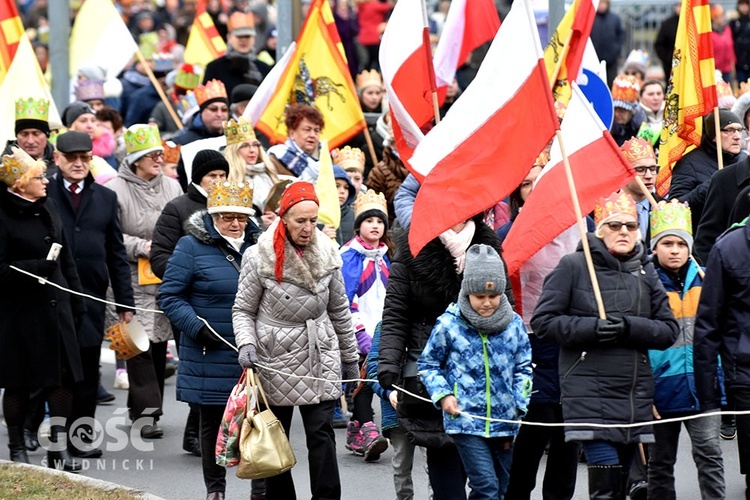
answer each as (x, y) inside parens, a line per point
(653, 169)
(84, 157)
(733, 130)
(617, 225)
(38, 177)
(155, 155)
(234, 217)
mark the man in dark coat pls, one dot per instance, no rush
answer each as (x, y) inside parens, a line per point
(608, 37)
(209, 122)
(723, 199)
(722, 327)
(238, 65)
(208, 167)
(691, 175)
(664, 44)
(32, 132)
(92, 228)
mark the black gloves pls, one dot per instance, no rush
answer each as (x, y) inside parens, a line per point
(206, 338)
(610, 331)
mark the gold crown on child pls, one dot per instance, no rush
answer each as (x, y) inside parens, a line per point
(370, 201)
(669, 217)
(224, 196)
(239, 131)
(349, 158)
(367, 78)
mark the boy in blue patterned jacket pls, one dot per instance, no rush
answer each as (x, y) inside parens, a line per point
(478, 362)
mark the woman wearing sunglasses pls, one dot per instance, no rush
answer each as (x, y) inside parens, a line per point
(142, 193)
(605, 374)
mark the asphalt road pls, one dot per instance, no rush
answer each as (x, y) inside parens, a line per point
(166, 471)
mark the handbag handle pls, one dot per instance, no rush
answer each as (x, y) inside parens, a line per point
(255, 383)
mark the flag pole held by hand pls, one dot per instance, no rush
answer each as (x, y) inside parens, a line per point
(158, 88)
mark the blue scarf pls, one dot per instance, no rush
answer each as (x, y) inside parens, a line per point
(292, 157)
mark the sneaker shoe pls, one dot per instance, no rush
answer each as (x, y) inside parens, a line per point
(354, 439)
(102, 396)
(374, 444)
(339, 420)
(728, 428)
(121, 380)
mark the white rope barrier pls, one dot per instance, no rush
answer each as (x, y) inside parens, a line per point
(400, 389)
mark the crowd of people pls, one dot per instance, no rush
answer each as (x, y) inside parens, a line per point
(222, 251)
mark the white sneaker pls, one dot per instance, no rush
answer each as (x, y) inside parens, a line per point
(121, 380)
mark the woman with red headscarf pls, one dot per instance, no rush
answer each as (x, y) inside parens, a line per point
(291, 315)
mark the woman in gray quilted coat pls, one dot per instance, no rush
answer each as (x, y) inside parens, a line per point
(291, 315)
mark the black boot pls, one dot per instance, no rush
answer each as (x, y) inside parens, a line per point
(605, 482)
(60, 458)
(190, 440)
(30, 440)
(16, 445)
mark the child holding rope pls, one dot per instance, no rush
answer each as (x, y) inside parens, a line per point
(478, 359)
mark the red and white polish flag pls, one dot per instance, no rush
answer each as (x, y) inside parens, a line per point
(598, 169)
(486, 144)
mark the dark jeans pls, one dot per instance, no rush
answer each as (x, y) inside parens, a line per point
(362, 411)
(84, 392)
(741, 398)
(487, 463)
(608, 453)
(446, 472)
(562, 460)
(213, 475)
(704, 436)
(146, 377)
(321, 453)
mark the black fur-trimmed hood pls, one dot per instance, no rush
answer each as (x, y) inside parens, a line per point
(435, 266)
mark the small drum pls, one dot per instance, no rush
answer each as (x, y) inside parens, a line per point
(128, 339)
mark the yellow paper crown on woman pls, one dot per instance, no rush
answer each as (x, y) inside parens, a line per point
(19, 165)
(213, 89)
(224, 196)
(140, 137)
(239, 131)
(637, 149)
(349, 158)
(368, 78)
(672, 216)
(370, 201)
(615, 204)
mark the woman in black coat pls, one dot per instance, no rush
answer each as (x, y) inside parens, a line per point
(419, 290)
(605, 374)
(38, 345)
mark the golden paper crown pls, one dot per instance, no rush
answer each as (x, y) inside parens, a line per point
(239, 131)
(368, 78)
(625, 90)
(32, 109)
(213, 89)
(349, 158)
(19, 165)
(234, 197)
(672, 216)
(141, 137)
(637, 149)
(370, 201)
(171, 151)
(542, 159)
(618, 203)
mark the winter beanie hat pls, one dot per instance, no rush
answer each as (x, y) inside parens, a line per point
(726, 117)
(484, 272)
(207, 161)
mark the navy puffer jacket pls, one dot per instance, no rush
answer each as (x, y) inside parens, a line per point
(200, 281)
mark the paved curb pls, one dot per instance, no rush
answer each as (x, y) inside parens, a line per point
(87, 481)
